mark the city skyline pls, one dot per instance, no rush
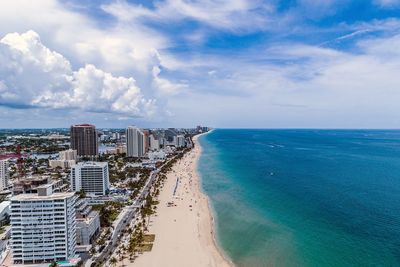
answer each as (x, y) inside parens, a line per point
(177, 63)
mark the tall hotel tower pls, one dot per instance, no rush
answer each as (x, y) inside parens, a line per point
(91, 177)
(84, 140)
(135, 142)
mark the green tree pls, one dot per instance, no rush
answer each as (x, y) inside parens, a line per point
(82, 193)
(113, 261)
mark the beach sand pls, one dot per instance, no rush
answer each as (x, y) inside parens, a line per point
(184, 233)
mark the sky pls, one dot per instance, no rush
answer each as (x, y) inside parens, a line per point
(182, 63)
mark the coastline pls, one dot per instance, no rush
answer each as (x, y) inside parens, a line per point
(210, 208)
(184, 232)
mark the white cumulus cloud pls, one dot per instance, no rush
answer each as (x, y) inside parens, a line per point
(35, 76)
(164, 86)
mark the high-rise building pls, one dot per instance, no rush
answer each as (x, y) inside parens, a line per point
(146, 141)
(170, 139)
(154, 142)
(84, 140)
(135, 142)
(180, 141)
(43, 227)
(4, 174)
(91, 177)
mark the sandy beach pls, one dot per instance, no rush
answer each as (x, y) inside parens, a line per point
(184, 231)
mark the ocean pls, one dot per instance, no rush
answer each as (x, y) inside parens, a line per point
(304, 197)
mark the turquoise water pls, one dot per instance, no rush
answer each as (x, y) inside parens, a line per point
(305, 197)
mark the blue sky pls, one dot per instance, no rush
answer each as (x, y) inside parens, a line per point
(222, 63)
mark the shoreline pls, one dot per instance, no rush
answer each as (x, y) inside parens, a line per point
(185, 230)
(211, 211)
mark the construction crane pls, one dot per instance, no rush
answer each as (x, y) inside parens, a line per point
(19, 158)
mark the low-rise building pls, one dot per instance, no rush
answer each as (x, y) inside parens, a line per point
(4, 212)
(30, 184)
(69, 154)
(157, 155)
(120, 149)
(87, 225)
(63, 164)
(66, 159)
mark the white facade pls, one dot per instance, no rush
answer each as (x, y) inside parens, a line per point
(154, 143)
(135, 143)
(116, 136)
(4, 174)
(69, 154)
(87, 223)
(43, 227)
(180, 141)
(157, 155)
(91, 177)
(4, 212)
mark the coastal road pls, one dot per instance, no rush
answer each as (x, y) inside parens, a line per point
(129, 214)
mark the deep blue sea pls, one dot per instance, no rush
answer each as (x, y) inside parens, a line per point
(305, 197)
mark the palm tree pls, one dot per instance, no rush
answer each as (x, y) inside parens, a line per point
(119, 253)
(132, 247)
(113, 261)
(122, 258)
(92, 250)
(53, 264)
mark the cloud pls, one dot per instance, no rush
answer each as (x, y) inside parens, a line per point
(387, 3)
(234, 63)
(232, 15)
(164, 86)
(299, 85)
(35, 76)
(115, 47)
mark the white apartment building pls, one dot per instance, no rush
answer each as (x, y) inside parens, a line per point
(154, 143)
(91, 177)
(180, 141)
(4, 174)
(43, 227)
(135, 143)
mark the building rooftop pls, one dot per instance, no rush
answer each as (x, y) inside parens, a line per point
(83, 125)
(91, 164)
(33, 178)
(89, 218)
(26, 197)
(4, 205)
